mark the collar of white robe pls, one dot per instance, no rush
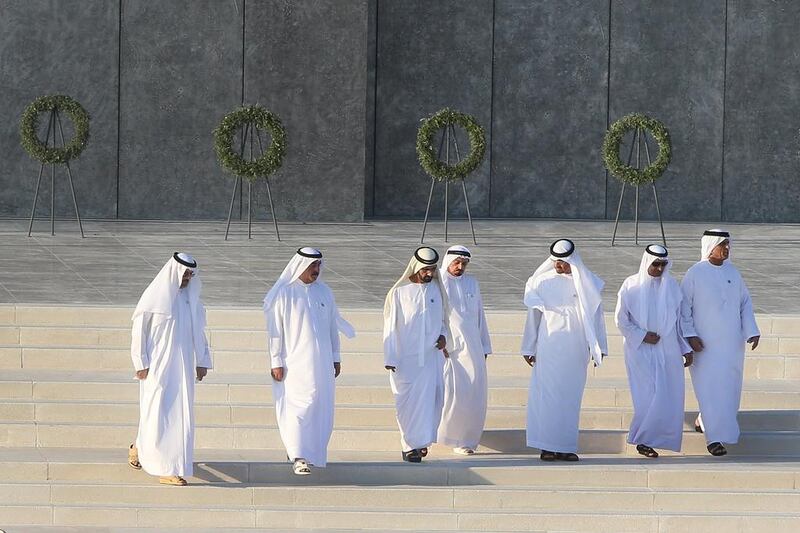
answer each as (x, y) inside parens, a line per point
(159, 297)
(711, 239)
(587, 285)
(299, 262)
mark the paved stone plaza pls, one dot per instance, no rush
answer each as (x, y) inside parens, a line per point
(117, 259)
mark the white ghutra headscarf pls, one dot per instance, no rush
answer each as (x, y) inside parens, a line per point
(298, 264)
(711, 239)
(587, 286)
(449, 281)
(644, 288)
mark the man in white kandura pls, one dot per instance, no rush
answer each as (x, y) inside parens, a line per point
(465, 380)
(564, 330)
(717, 319)
(648, 316)
(168, 348)
(414, 339)
(303, 326)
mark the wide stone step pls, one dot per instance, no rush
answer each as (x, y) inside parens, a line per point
(255, 339)
(594, 471)
(350, 389)
(266, 436)
(381, 416)
(759, 366)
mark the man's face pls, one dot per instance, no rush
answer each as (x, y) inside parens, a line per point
(425, 275)
(311, 273)
(458, 266)
(186, 278)
(656, 268)
(721, 251)
(562, 267)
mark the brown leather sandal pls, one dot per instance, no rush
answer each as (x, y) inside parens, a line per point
(133, 458)
(177, 481)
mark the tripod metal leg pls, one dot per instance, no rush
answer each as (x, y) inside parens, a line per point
(447, 182)
(272, 210)
(427, 212)
(230, 210)
(35, 197)
(41, 170)
(619, 209)
(658, 211)
(636, 218)
(52, 200)
(74, 199)
(69, 175)
(269, 191)
(469, 216)
(249, 210)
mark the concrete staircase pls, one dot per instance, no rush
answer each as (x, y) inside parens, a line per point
(68, 410)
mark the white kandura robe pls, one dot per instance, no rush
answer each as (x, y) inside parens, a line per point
(465, 378)
(167, 347)
(655, 371)
(304, 340)
(415, 322)
(717, 308)
(557, 338)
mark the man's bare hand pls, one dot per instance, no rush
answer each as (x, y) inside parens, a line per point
(445, 353)
(201, 373)
(142, 374)
(441, 342)
(696, 344)
(651, 338)
(337, 369)
(530, 359)
(277, 373)
(688, 359)
(754, 341)
(389, 367)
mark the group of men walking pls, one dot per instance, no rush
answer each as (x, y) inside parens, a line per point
(435, 345)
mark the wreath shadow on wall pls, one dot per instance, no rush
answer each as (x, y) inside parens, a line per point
(635, 175)
(252, 124)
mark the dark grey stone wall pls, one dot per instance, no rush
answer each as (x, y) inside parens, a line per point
(430, 55)
(672, 68)
(762, 112)
(307, 62)
(352, 78)
(52, 47)
(181, 72)
(549, 114)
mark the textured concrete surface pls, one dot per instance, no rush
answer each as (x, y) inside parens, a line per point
(180, 74)
(118, 259)
(49, 47)
(352, 78)
(306, 61)
(430, 55)
(673, 69)
(549, 113)
(762, 99)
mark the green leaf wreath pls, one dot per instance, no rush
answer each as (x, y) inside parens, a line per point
(29, 128)
(613, 141)
(257, 117)
(428, 158)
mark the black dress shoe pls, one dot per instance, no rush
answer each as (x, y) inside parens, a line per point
(423, 452)
(412, 457)
(547, 456)
(647, 451)
(717, 449)
(571, 457)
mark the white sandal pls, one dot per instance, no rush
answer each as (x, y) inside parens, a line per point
(301, 467)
